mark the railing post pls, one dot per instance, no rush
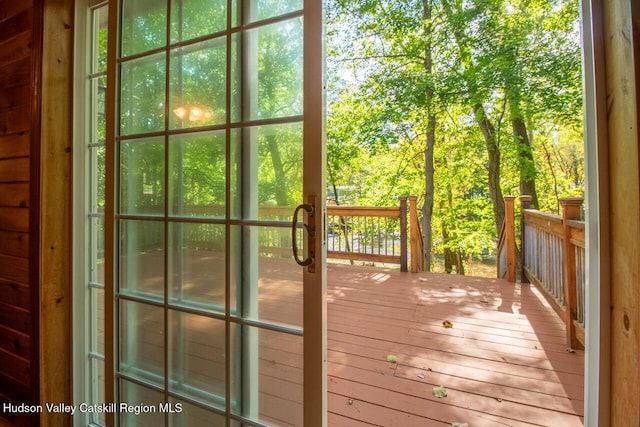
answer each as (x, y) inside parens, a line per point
(403, 233)
(413, 228)
(510, 238)
(570, 211)
(525, 202)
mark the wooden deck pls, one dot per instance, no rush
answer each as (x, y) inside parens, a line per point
(503, 363)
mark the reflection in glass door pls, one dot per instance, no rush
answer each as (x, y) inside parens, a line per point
(211, 156)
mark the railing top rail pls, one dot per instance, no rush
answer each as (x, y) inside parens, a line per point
(388, 212)
(538, 214)
(576, 224)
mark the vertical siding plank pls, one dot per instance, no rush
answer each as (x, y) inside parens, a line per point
(624, 204)
(54, 199)
(18, 85)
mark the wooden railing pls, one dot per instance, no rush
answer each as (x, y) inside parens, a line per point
(552, 254)
(507, 244)
(376, 234)
(415, 237)
(372, 234)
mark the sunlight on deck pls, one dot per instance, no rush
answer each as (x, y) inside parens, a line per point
(504, 361)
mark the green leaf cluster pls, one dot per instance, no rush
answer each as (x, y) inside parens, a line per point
(514, 60)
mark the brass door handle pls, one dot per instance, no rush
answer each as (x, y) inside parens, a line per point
(310, 210)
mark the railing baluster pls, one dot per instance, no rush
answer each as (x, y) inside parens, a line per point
(570, 211)
(553, 259)
(375, 234)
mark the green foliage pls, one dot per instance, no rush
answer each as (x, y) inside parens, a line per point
(516, 58)
(263, 73)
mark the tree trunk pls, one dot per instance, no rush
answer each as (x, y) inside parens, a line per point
(459, 263)
(278, 170)
(452, 257)
(525, 152)
(525, 161)
(495, 192)
(427, 209)
(449, 255)
(341, 221)
(488, 130)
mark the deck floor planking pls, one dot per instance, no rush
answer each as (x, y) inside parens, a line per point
(504, 362)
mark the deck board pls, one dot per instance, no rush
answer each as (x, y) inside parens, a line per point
(504, 362)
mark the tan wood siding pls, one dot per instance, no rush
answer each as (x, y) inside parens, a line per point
(14, 294)
(16, 145)
(15, 120)
(17, 127)
(13, 170)
(15, 48)
(15, 318)
(54, 209)
(14, 219)
(16, 195)
(14, 96)
(15, 74)
(624, 205)
(14, 243)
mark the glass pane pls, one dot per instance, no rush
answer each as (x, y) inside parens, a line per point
(96, 178)
(197, 357)
(142, 176)
(198, 174)
(197, 266)
(195, 18)
(97, 320)
(98, 122)
(235, 201)
(235, 12)
(100, 19)
(235, 76)
(279, 70)
(198, 84)
(142, 341)
(96, 251)
(264, 9)
(97, 391)
(268, 375)
(143, 406)
(144, 25)
(142, 95)
(142, 258)
(270, 281)
(191, 415)
(279, 171)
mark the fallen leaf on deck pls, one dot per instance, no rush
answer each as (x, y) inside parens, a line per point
(447, 324)
(421, 376)
(392, 359)
(570, 350)
(439, 391)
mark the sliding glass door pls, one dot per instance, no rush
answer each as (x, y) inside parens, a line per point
(215, 137)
